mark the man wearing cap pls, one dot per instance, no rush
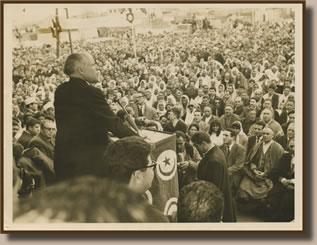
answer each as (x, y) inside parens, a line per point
(49, 110)
(31, 105)
(272, 96)
(83, 120)
(229, 117)
(141, 109)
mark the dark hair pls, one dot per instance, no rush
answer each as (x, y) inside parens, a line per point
(124, 156)
(121, 114)
(72, 62)
(31, 122)
(201, 136)
(105, 201)
(261, 123)
(232, 132)
(49, 118)
(213, 123)
(200, 201)
(176, 111)
(180, 134)
(193, 125)
(272, 86)
(38, 115)
(291, 112)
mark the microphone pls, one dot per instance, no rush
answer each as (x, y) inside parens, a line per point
(129, 118)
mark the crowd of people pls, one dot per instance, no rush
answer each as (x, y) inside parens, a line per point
(227, 94)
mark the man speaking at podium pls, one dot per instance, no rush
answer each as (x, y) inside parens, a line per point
(83, 119)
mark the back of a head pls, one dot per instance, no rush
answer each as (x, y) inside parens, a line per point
(200, 201)
(201, 136)
(86, 200)
(124, 156)
(72, 63)
(31, 122)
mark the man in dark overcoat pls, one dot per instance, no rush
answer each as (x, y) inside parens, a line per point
(213, 168)
(83, 120)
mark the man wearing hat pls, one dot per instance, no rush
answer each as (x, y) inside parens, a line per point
(31, 105)
(141, 109)
(272, 96)
(83, 120)
(49, 110)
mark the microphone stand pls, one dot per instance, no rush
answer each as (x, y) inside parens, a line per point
(129, 118)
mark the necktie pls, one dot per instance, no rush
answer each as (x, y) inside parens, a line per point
(257, 140)
(140, 111)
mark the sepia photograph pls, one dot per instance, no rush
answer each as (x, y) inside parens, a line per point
(153, 117)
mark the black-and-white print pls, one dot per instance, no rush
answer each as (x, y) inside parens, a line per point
(154, 114)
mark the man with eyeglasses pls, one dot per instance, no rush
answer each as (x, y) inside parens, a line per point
(128, 161)
(45, 141)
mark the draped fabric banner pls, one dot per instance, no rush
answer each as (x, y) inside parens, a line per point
(164, 191)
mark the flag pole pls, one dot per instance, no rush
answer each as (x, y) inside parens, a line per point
(69, 34)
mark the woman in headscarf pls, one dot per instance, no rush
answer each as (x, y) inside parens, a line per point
(220, 90)
(184, 104)
(162, 86)
(161, 108)
(241, 138)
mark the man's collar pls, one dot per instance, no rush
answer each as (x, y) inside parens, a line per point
(268, 143)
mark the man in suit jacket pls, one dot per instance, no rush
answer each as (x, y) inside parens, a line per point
(272, 96)
(213, 168)
(83, 119)
(285, 139)
(44, 141)
(228, 118)
(141, 109)
(257, 138)
(33, 127)
(235, 156)
(281, 197)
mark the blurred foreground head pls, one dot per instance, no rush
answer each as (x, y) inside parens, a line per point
(200, 201)
(86, 200)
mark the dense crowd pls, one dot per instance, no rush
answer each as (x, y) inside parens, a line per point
(234, 84)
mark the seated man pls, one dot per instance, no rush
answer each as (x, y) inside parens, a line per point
(285, 139)
(86, 200)
(235, 155)
(44, 141)
(281, 197)
(262, 158)
(32, 128)
(200, 201)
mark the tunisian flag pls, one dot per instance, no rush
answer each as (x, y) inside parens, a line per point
(164, 191)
